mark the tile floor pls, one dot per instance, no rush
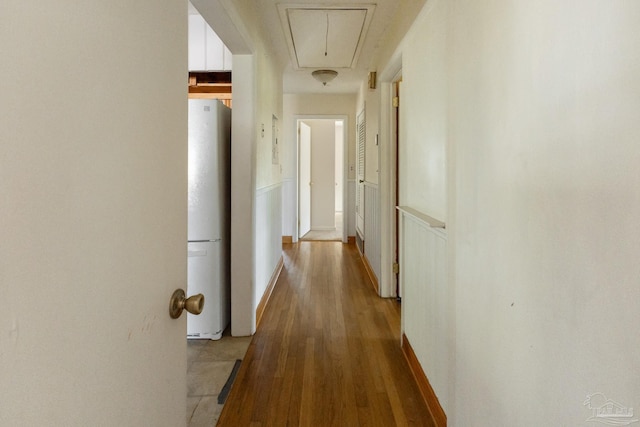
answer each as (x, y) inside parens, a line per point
(209, 364)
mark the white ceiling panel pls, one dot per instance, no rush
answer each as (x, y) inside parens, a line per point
(325, 37)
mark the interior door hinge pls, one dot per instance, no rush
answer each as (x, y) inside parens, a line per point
(396, 101)
(396, 268)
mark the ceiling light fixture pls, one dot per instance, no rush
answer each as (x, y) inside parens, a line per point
(324, 76)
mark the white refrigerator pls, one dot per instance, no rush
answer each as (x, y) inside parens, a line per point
(208, 265)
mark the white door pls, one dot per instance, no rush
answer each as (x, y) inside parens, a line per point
(323, 158)
(304, 181)
(93, 190)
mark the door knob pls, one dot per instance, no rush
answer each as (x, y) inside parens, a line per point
(179, 302)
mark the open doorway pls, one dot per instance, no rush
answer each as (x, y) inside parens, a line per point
(321, 145)
(391, 139)
(210, 362)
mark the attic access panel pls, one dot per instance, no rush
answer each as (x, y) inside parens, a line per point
(311, 31)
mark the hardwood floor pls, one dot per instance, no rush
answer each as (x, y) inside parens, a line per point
(327, 352)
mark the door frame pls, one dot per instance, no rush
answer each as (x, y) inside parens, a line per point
(301, 182)
(388, 178)
(346, 209)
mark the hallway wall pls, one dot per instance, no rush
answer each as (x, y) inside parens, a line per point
(428, 300)
(521, 134)
(267, 225)
(544, 127)
(257, 94)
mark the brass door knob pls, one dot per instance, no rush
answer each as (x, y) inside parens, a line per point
(179, 302)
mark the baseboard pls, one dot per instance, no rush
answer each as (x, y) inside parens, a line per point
(351, 240)
(370, 273)
(287, 239)
(267, 293)
(429, 396)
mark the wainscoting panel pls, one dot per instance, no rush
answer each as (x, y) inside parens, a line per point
(289, 207)
(425, 298)
(372, 227)
(349, 212)
(268, 239)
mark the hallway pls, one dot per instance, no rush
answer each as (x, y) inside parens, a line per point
(327, 351)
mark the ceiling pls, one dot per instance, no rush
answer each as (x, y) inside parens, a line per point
(324, 37)
(310, 35)
(313, 34)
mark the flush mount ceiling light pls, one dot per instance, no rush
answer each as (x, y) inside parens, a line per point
(324, 76)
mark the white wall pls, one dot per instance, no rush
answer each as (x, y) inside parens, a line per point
(267, 229)
(428, 300)
(269, 101)
(268, 241)
(423, 107)
(545, 101)
(521, 134)
(315, 105)
(93, 182)
(257, 97)
(243, 198)
(268, 204)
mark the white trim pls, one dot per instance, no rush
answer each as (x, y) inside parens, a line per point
(423, 218)
(387, 156)
(268, 188)
(370, 184)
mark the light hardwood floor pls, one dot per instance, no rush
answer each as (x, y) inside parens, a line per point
(327, 352)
